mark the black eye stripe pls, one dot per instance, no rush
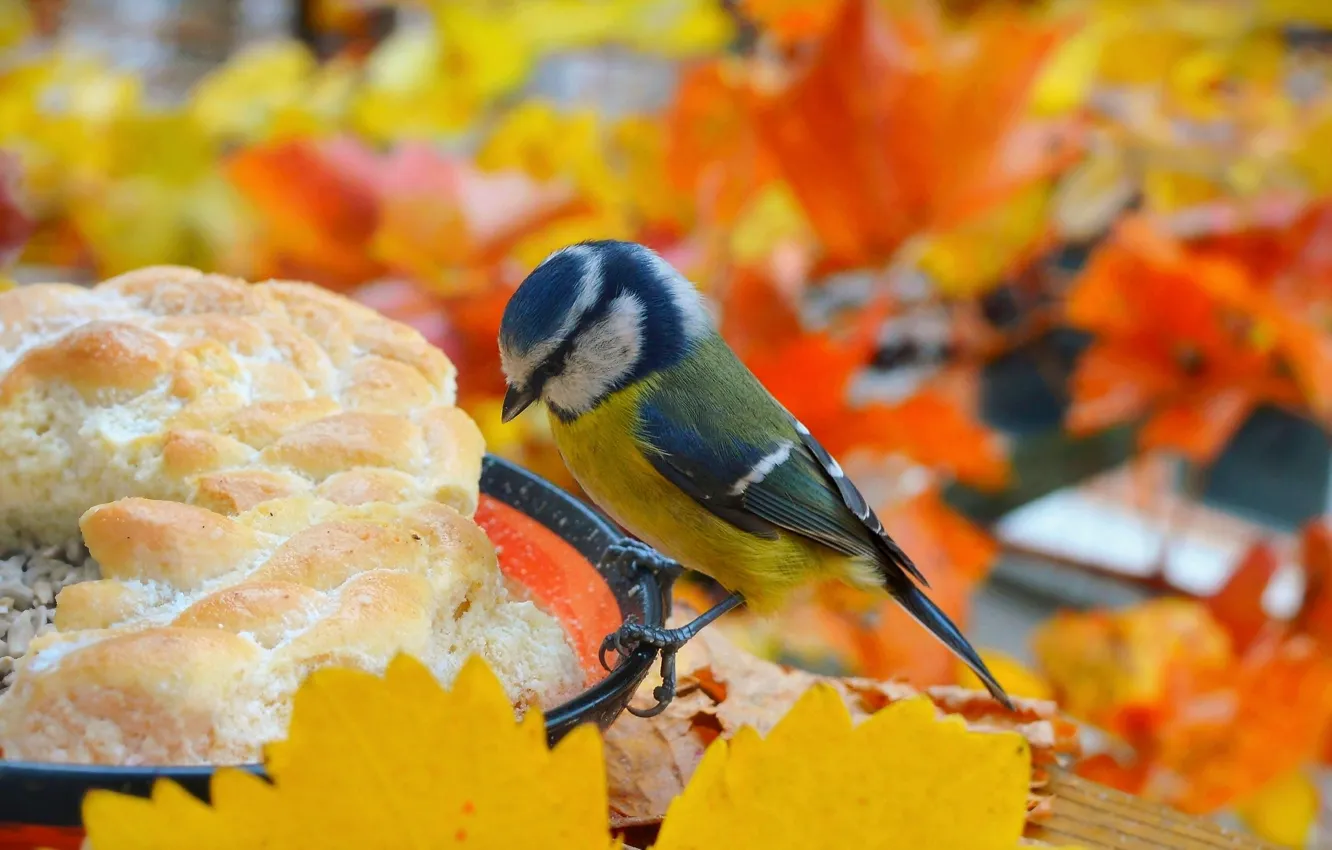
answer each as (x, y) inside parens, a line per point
(554, 364)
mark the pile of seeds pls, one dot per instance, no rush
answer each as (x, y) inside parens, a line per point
(30, 578)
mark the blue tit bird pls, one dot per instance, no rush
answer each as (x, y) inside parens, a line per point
(677, 441)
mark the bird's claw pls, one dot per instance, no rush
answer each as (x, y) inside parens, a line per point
(630, 554)
(628, 638)
(633, 553)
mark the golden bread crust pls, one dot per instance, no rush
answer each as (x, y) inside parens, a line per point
(272, 479)
(157, 382)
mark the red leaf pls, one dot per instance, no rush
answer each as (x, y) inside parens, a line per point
(899, 126)
(711, 147)
(317, 219)
(1114, 384)
(1198, 428)
(935, 432)
(1315, 616)
(1106, 770)
(1238, 605)
(16, 227)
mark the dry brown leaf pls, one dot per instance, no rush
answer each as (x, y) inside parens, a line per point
(723, 688)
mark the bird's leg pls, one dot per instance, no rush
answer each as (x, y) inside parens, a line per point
(631, 636)
(633, 553)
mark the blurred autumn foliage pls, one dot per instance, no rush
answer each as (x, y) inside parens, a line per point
(1215, 699)
(826, 171)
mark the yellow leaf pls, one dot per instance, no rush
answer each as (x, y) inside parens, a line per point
(677, 28)
(6, 283)
(1019, 679)
(15, 23)
(1284, 811)
(545, 143)
(1169, 190)
(973, 257)
(489, 54)
(404, 95)
(1311, 13)
(424, 82)
(773, 218)
(903, 778)
(385, 762)
(639, 144)
(1068, 78)
(1311, 157)
(671, 28)
(242, 97)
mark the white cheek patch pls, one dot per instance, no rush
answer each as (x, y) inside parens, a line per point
(601, 357)
(518, 368)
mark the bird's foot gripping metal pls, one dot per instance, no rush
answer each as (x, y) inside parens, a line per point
(633, 553)
(629, 637)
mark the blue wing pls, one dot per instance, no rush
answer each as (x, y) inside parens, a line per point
(744, 458)
(781, 479)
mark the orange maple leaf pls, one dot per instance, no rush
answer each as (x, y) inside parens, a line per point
(712, 148)
(839, 131)
(338, 213)
(442, 221)
(1183, 336)
(1238, 604)
(1211, 727)
(1224, 739)
(1315, 614)
(16, 226)
(791, 21)
(316, 220)
(810, 373)
(1105, 769)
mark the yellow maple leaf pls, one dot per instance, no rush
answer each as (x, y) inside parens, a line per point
(903, 778)
(1310, 157)
(1284, 811)
(15, 23)
(59, 113)
(545, 143)
(673, 28)
(423, 82)
(639, 143)
(1019, 679)
(1068, 78)
(773, 218)
(242, 97)
(973, 257)
(378, 762)
(670, 28)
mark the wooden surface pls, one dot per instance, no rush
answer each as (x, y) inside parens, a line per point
(1094, 817)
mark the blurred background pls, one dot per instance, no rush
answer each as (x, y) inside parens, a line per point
(1052, 279)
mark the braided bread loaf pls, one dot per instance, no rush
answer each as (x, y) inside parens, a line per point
(272, 479)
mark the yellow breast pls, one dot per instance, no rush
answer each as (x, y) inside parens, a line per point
(602, 455)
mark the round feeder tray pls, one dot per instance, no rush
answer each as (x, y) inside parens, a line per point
(38, 796)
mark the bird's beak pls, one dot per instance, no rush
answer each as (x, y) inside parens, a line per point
(516, 400)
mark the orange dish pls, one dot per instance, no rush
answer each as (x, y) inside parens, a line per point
(561, 581)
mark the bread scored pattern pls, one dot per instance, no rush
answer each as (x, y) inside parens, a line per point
(171, 384)
(273, 479)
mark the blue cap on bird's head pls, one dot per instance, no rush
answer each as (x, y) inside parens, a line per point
(592, 318)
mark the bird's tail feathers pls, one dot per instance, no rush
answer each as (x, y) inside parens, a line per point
(929, 615)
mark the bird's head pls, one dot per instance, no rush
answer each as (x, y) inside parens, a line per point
(591, 319)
